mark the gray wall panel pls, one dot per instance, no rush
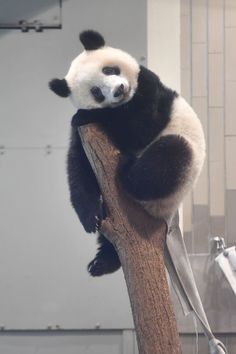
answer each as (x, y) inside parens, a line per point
(93, 342)
(188, 239)
(62, 343)
(187, 342)
(230, 217)
(217, 226)
(217, 296)
(201, 228)
(30, 115)
(44, 252)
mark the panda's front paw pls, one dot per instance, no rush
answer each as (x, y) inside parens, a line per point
(90, 222)
(92, 216)
(82, 117)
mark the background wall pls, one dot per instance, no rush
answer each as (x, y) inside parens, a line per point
(49, 305)
(208, 81)
(44, 250)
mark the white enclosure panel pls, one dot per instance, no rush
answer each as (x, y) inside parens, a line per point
(44, 252)
(30, 114)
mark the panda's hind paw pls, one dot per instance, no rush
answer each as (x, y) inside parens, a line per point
(100, 266)
(96, 268)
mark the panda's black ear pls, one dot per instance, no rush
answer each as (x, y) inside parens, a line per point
(60, 87)
(91, 40)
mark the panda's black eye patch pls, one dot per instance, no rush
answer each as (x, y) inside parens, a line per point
(97, 94)
(111, 70)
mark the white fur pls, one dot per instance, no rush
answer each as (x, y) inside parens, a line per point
(86, 71)
(184, 122)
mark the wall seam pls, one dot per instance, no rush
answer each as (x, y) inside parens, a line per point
(208, 125)
(191, 102)
(224, 119)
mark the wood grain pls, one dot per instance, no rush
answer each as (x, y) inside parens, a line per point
(140, 241)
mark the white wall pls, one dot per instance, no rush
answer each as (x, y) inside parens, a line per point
(163, 40)
(163, 45)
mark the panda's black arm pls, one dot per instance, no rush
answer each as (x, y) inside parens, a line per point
(84, 189)
(86, 116)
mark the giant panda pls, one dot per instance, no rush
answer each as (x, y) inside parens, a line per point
(159, 136)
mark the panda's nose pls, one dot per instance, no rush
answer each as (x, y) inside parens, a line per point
(119, 90)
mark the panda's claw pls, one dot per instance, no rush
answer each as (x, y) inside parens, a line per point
(92, 219)
(89, 223)
(98, 223)
(96, 267)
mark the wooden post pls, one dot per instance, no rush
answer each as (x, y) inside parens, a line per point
(139, 240)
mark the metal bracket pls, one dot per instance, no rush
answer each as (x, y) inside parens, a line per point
(48, 149)
(25, 26)
(217, 244)
(38, 26)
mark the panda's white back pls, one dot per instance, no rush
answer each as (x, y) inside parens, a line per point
(185, 123)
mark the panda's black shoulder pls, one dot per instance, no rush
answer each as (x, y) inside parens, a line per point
(152, 94)
(150, 84)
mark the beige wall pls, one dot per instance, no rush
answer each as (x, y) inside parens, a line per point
(208, 81)
(163, 40)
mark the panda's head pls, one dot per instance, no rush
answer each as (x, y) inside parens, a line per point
(100, 76)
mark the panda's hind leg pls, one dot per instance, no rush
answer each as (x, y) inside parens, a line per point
(106, 260)
(159, 171)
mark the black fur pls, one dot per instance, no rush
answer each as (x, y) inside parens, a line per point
(86, 200)
(97, 94)
(111, 70)
(91, 40)
(159, 171)
(60, 87)
(84, 189)
(132, 127)
(106, 260)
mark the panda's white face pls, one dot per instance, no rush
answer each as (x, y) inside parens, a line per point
(104, 77)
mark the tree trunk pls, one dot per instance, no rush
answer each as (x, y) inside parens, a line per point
(140, 241)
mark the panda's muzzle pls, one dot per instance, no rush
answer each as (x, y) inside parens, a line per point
(119, 91)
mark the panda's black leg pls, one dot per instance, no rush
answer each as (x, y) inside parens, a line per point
(84, 190)
(106, 260)
(160, 170)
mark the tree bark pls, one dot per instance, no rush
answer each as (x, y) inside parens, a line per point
(140, 241)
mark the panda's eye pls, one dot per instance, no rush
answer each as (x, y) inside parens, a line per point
(97, 94)
(111, 70)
